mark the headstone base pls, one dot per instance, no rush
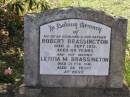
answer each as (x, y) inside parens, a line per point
(76, 92)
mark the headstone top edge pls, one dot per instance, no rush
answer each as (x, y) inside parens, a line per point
(122, 18)
(69, 9)
(30, 15)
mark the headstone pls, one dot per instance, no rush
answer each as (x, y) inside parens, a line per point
(74, 47)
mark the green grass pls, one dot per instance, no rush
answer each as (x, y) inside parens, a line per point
(114, 7)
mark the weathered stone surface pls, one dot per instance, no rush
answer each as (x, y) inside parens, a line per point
(31, 38)
(117, 51)
(75, 92)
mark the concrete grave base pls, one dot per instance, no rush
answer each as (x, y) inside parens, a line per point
(76, 92)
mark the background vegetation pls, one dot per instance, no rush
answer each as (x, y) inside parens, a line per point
(11, 37)
(11, 30)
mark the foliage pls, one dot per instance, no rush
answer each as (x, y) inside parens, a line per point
(127, 63)
(11, 36)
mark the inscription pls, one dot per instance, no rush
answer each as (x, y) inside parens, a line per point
(74, 47)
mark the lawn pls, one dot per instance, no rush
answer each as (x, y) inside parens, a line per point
(113, 7)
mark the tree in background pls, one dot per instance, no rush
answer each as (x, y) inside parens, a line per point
(11, 36)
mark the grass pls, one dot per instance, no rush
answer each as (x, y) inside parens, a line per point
(114, 7)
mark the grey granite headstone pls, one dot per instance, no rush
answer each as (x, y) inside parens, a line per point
(74, 47)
